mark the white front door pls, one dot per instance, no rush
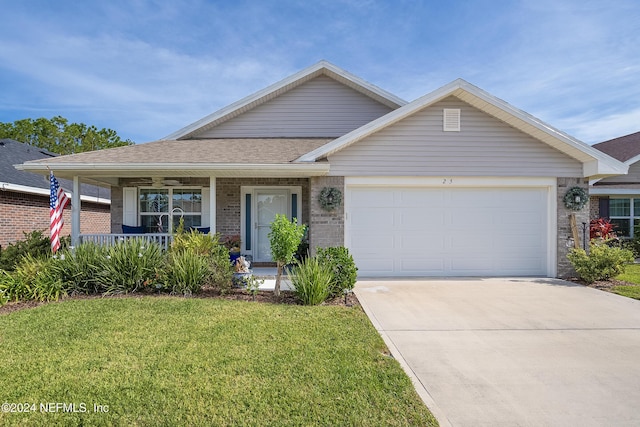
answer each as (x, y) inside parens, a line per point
(268, 203)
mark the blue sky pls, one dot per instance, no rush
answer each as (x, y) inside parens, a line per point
(146, 68)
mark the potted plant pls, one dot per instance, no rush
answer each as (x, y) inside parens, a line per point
(241, 274)
(232, 243)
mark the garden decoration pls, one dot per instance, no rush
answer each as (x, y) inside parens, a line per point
(576, 198)
(241, 272)
(330, 198)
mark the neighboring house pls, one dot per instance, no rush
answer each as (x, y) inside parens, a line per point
(455, 183)
(24, 197)
(618, 197)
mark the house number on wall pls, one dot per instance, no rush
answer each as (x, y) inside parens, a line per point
(447, 181)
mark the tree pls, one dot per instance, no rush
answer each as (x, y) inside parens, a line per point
(59, 136)
(285, 237)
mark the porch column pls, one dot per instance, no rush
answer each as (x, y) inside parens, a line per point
(212, 204)
(75, 212)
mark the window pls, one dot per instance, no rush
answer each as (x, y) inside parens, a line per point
(624, 215)
(161, 208)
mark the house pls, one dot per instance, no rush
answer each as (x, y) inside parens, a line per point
(455, 183)
(618, 197)
(24, 197)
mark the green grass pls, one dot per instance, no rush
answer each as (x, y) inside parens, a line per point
(175, 361)
(631, 275)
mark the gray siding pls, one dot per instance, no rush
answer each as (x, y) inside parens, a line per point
(633, 177)
(321, 107)
(485, 146)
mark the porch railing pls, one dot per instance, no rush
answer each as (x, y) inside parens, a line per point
(163, 239)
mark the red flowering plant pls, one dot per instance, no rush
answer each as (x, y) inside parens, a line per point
(602, 229)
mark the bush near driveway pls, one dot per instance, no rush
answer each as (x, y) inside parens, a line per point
(601, 263)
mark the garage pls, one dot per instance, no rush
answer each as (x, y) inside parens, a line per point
(449, 230)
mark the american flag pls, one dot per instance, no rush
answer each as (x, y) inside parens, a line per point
(58, 200)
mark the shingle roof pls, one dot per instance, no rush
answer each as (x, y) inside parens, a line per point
(14, 152)
(238, 151)
(622, 148)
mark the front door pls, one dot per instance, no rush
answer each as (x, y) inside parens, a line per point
(268, 203)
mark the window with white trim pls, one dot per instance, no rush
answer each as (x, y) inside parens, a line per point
(160, 209)
(624, 214)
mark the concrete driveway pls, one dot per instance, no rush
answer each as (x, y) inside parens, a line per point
(513, 352)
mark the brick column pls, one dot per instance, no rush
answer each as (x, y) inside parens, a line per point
(565, 269)
(326, 228)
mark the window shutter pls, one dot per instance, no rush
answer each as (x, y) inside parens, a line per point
(451, 120)
(129, 206)
(603, 207)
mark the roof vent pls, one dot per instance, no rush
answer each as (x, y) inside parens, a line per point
(451, 120)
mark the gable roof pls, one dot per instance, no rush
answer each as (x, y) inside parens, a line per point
(623, 148)
(322, 68)
(595, 162)
(14, 152)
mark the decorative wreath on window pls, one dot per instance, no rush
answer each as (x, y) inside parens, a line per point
(576, 198)
(330, 198)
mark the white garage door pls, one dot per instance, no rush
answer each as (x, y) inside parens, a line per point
(399, 231)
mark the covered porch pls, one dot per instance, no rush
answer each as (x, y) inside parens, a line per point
(233, 187)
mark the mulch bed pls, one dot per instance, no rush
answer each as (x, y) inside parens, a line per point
(603, 285)
(234, 294)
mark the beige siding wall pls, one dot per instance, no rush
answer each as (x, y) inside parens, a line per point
(321, 107)
(485, 146)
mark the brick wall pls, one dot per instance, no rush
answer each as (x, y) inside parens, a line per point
(326, 228)
(594, 210)
(564, 228)
(20, 212)
(228, 199)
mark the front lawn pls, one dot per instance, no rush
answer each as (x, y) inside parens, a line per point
(176, 361)
(632, 276)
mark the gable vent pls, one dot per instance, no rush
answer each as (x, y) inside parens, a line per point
(451, 120)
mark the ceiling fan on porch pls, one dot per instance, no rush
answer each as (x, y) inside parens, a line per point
(162, 182)
(156, 182)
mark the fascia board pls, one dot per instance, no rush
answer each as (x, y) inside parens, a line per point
(164, 167)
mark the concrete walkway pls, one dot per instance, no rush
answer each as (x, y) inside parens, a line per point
(513, 352)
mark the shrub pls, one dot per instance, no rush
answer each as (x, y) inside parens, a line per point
(130, 265)
(220, 269)
(3, 297)
(602, 262)
(185, 272)
(35, 244)
(343, 268)
(10, 287)
(199, 243)
(285, 237)
(312, 281)
(215, 253)
(33, 279)
(82, 269)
